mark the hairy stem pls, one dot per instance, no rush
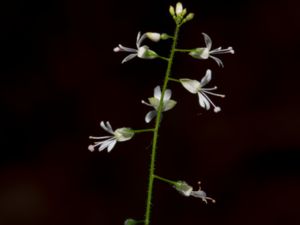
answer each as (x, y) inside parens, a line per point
(156, 129)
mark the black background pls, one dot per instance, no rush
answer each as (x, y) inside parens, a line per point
(60, 78)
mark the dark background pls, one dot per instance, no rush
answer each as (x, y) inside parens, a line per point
(60, 78)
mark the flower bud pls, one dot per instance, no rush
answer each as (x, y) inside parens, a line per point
(172, 11)
(164, 36)
(189, 17)
(179, 8)
(130, 222)
(153, 36)
(183, 13)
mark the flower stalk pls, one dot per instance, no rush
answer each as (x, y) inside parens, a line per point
(143, 130)
(165, 180)
(156, 129)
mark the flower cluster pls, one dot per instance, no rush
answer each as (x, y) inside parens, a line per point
(161, 100)
(179, 14)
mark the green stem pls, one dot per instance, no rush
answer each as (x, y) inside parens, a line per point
(157, 125)
(165, 180)
(173, 79)
(143, 130)
(163, 58)
(183, 50)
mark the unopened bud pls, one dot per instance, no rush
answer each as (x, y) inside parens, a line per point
(172, 11)
(164, 36)
(179, 8)
(153, 36)
(183, 13)
(189, 17)
(130, 222)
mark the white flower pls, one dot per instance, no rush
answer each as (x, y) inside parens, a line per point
(187, 191)
(142, 52)
(205, 53)
(197, 87)
(154, 102)
(119, 135)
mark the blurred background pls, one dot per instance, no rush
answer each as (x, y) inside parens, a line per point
(60, 78)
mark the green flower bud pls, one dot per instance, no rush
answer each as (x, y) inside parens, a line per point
(172, 11)
(164, 36)
(130, 222)
(189, 17)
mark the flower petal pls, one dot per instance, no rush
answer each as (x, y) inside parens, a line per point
(111, 145)
(167, 95)
(107, 127)
(192, 86)
(157, 92)
(129, 57)
(125, 49)
(105, 144)
(206, 79)
(207, 40)
(140, 40)
(218, 61)
(204, 103)
(150, 115)
(170, 104)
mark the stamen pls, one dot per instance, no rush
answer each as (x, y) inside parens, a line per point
(210, 89)
(91, 148)
(216, 108)
(211, 93)
(97, 138)
(146, 103)
(222, 51)
(116, 49)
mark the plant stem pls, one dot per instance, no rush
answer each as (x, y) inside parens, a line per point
(143, 130)
(183, 50)
(163, 58)
(165, 180)
(173, 79)
(156, 129)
